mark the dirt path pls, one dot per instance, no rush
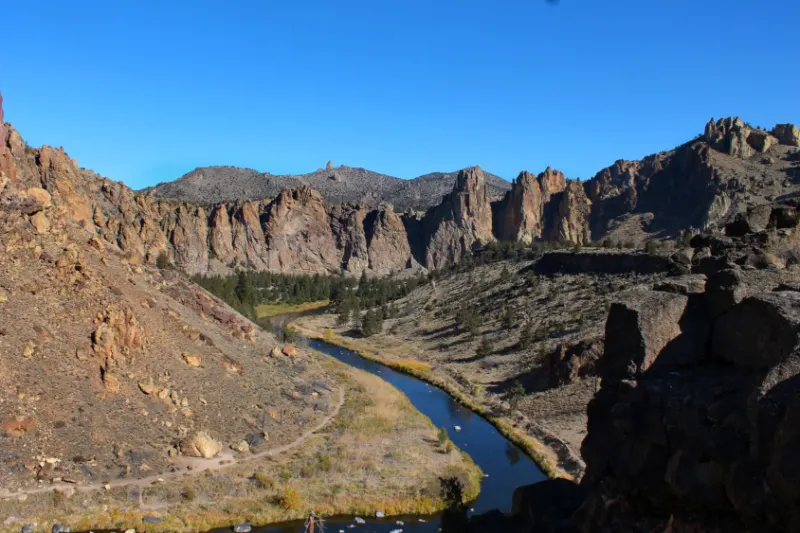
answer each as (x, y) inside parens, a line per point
(224, 460)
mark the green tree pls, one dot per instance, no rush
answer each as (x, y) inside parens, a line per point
(505, 275)
(515, 394)
(526, 336)
(468, 320)
(484, 348)
(371, 324)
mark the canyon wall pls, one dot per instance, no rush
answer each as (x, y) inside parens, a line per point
(701, 185)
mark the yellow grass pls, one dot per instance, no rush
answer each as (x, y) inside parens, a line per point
(275, 309)
(536, 450)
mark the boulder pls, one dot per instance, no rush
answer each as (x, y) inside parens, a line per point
(276, 352)
(726, 288)
(39, 199)
(201, 444)
(40, 222)
(191, 359)
(289, 349)
(760, 332)
(754, 220)
(688, 284)
(647, 327)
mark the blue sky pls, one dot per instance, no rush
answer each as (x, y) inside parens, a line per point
(145, 91)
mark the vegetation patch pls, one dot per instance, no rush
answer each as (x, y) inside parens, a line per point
(379, 453)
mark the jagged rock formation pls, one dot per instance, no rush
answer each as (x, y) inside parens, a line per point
(571, 221)
(523, 212)
(703, 184)
(461, 223)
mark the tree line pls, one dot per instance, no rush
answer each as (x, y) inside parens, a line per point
(245, 290)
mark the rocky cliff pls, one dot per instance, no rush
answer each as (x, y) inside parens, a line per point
(106, 360)
(702, 184)
(461, 223)
(697, 414)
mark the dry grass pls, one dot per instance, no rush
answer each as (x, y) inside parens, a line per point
(380, 453)
(275, 309)
(383, 352)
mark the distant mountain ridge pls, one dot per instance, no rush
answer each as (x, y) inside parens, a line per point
(216, 184)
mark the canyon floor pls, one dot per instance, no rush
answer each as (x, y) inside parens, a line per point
(561, 310)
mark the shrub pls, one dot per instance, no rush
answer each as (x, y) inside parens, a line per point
(484, 348)
(442, 436)
(328, 336)
(162, 261)
(290, 499)
(526, 336)
(515, 394)
(263, 481)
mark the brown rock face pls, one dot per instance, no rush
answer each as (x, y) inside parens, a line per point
(299, 237)
(248, 237)
(220, 236)
(6, 163)
(462, 222)
(388, 245)
(347, 226)
(522, 212)
(571, 221)
(189, 239)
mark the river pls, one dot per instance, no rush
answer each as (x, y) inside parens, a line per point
(505, 465)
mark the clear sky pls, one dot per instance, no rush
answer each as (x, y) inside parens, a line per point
(144, 91)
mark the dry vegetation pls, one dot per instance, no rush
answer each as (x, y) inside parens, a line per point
(485, 364)
(380, 453)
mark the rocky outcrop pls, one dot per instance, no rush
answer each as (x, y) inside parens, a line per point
(461, 223)
(388, 246)
(7, 170)
(732, 136)
(787, 134)
(524, 211)
(702, 184)
(220, 235)
(571, 220)
(696, 416)
(298, 234)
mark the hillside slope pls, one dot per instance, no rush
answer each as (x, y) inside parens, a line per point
(216, 184)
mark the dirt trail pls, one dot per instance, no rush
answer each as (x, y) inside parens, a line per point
(224, 460)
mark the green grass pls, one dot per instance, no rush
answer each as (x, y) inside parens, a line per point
(275, 309)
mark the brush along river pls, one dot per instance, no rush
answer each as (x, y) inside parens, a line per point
(506, 466)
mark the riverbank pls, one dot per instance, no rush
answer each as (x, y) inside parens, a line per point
(378, 452)
(552, 455)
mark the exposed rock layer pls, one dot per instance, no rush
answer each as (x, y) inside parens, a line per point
(703, 184)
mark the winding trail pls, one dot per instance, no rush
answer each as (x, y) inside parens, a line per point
(225, 459)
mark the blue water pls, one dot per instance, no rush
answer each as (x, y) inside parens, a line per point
(506, 465)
